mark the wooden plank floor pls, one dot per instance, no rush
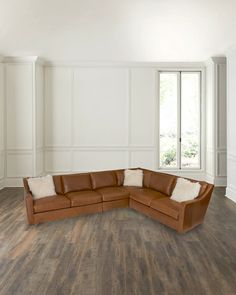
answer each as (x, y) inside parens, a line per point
(117, 252)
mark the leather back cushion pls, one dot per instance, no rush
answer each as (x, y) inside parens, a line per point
(76, 182)
(58, 184)
(104, 179)
(162, 182)
(203, 187)
(120, 175)
(146, 177)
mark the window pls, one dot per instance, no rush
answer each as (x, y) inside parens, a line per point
(180, 120)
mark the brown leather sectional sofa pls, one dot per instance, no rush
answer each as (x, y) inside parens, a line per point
(94, 192)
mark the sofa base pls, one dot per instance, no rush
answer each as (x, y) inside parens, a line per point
(106, 206)
(64, 213)
(162, 218)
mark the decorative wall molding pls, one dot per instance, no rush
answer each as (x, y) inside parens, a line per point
(125, 64)
(66, 155)
(25, 59)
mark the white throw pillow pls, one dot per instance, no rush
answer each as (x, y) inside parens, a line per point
(133, 177)
(42, 186)
(185, 190)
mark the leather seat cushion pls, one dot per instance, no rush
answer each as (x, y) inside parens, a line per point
(113, 193)
(84, 198)
(145, 195)
(167, 206)
(51, 203)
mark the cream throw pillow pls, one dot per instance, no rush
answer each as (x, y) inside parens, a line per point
(42, 186)
(133, 177)
(185, 190)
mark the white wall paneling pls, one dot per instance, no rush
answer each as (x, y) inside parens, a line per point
(24, 118)
(57, 161)
(100, 107)
(143, 92)
(231, 123)
(64, 118)
(95, 160)
(58, 91)
(216, 128)
(19, 164)
(39, 119)
(143, 158)
(2, 126)
(19, 103)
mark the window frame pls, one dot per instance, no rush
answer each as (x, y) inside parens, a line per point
(201, 74)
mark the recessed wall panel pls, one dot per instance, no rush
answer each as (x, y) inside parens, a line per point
(19, 165)
(100, 107)
(99, 160)
(143, 159)
(143, 96)
(57, 161)
(58, 106)
(2, 130)
(19, 100)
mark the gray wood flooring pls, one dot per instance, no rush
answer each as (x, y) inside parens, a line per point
(120, 252)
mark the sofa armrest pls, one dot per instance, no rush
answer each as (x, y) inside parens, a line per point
(29, 208)
(193, 212)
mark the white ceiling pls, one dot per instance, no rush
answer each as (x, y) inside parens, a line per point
(127, 30)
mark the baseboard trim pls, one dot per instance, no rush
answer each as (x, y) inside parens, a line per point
(231, 193)
(220, 181)
(217, 181)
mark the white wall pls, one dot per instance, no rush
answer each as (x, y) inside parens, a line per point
(2, 129)
(231, 122)
(216, 127)
(39, 119)
(19, 122)
(81, 117)
(24, 119)
(99, 118)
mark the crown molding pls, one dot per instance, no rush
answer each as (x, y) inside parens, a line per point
(219, 59)
(216, 60)
(142, 64)
(23, 60)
